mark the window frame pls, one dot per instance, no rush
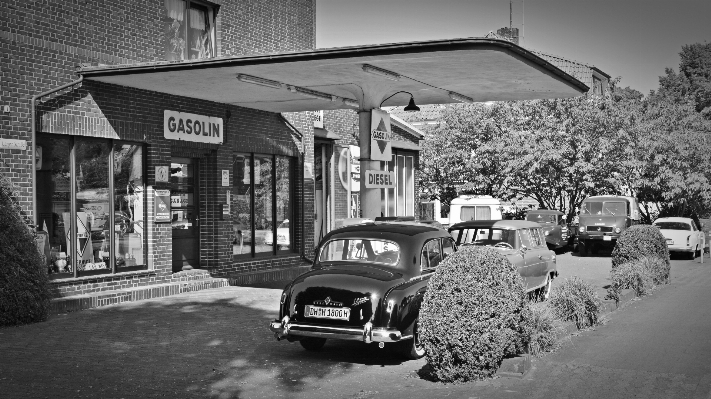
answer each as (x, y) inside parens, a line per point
(112, 270)
(212, 11)
(252, 254)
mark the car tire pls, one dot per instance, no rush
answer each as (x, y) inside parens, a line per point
(312, 344)
(582, 249)
(412, 349)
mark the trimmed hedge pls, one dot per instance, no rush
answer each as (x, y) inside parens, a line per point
(641, 275)
(576, 300)
(24, 284)
(473, 315)
(640, 241)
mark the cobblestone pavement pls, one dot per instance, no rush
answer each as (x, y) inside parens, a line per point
(215, 344)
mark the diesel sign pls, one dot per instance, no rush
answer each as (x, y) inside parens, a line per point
(379, 179)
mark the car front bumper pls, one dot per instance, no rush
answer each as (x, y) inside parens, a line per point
(286, 329)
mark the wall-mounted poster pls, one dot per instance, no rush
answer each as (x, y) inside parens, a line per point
(162, 206)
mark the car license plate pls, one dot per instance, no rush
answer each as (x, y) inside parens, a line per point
(320, 312)
(607, 238)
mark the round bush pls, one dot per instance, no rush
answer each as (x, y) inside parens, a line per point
(472, 314)
(639, 241)
(576, 300)
(24, 285)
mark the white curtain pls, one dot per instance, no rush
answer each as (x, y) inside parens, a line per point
(197, 19)
(174, 9)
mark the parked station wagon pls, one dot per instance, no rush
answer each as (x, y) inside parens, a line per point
(554, 227)
(523, 244)
(366, 284)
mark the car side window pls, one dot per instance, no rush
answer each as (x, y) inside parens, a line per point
(525, 238)
(447, 247)
(431, 255)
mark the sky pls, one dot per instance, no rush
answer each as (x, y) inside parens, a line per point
(632, 39)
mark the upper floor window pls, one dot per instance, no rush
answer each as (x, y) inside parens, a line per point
(189, 30)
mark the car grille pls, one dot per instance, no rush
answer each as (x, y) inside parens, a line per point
(603, 229)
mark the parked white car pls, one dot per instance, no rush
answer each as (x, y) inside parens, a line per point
(682, 234)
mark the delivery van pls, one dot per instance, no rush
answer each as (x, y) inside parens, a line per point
(602, 219)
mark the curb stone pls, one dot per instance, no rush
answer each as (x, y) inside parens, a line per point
(520, 366)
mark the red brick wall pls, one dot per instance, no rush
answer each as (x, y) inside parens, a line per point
(43, 41)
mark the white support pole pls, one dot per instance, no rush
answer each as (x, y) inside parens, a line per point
(370, 198)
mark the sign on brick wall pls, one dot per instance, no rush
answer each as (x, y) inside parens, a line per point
(192, 127)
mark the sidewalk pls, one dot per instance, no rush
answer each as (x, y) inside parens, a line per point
(186, 281)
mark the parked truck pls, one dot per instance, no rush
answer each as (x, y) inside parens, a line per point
(602, 219)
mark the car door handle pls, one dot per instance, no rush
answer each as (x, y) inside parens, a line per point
(540, 257)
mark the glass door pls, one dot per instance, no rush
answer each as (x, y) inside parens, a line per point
(185, 216)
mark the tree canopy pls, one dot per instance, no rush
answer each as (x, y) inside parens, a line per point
(561, 151)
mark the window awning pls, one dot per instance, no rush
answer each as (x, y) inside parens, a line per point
(325, 134)
(476, 69)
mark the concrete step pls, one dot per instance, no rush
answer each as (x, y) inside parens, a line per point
(190, 282)
(266, 276)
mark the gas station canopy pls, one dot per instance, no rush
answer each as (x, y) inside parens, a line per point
(360, 77)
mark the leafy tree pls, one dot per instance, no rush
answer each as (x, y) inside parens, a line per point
(693, 82)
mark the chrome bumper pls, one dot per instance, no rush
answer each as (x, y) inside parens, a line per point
(284, 329)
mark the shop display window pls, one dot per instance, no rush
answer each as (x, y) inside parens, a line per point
(262, 206)
(84, 186)
(189, 32)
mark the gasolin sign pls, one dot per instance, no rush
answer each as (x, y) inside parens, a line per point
(379, 179)
(381, 146)
(192, 127)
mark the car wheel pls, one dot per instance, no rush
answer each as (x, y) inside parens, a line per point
(412, 348)
(312, 344)
(582, 249)
(692, 255)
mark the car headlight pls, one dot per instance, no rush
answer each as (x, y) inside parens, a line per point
(618, 230)
(582, 229)
(546, 233)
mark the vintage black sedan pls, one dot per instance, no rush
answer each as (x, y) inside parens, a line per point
(366, 284)
(522, 242)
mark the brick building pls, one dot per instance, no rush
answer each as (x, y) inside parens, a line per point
(103, 166)
(130, 187)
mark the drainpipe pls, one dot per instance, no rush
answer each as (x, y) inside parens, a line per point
(34, 141)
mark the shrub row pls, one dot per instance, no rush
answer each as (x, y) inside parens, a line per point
(640, 261)
(476, 312)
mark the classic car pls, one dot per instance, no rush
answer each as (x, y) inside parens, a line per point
(523, 244)
(602, 219)
(555, 229)
(366, 284)
(682, 235)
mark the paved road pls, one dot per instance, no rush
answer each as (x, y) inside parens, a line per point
(214, 344)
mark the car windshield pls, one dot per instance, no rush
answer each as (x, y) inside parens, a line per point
(673, 226)
(542, 219)
(485, 237)
(610, 208)
(360, 250)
